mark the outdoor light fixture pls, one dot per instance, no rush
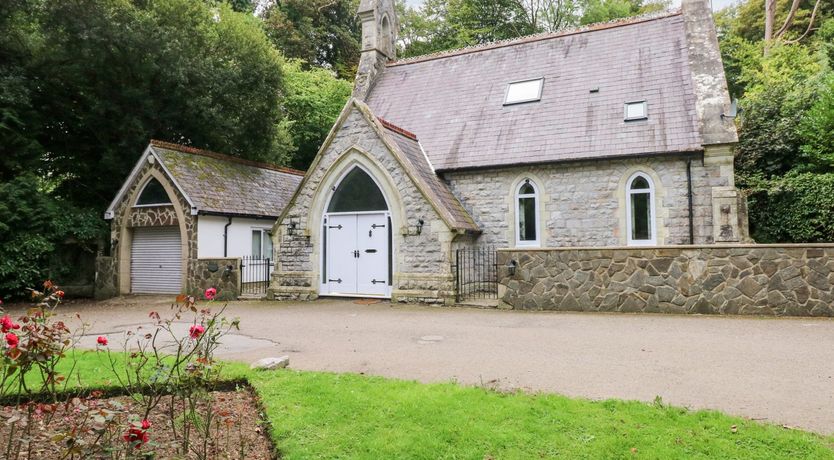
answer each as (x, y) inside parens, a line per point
(511, 266)
(420, 226)
(291, 228)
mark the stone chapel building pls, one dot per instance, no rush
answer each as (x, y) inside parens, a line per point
(616, 134)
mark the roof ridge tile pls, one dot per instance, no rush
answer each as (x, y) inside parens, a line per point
(224, 157)
(619, 22)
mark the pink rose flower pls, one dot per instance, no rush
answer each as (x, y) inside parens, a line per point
(210, 293)
(196, 331)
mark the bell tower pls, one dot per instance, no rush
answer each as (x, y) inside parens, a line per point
(379, 36)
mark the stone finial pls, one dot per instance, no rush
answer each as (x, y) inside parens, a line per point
(379, 36)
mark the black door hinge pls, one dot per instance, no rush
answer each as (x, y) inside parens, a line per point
(375, 281)
(335, 281)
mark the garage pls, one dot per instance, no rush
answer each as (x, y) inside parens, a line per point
(156, 261)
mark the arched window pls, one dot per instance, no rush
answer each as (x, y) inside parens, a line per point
(357, 192)
(386, 41)
(527, 214)
(640, 210)
(153, 195)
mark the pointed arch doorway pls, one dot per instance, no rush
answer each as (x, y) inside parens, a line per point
(357, 239)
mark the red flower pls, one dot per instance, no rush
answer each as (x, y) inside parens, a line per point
(6, 324)
(12, 340)
(138, 436)
(102, 340)
(60, 294)
(196, 331)
(210, 293)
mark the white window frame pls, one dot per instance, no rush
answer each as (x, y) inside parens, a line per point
(264, 234)
(151, 205)
(645, 115)
(518, 196)
(652, 222)
(536, 98)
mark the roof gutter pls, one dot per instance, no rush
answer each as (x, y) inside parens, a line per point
(236, 214)
(674, 154)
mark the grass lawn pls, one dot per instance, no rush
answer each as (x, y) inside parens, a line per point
(325, 415)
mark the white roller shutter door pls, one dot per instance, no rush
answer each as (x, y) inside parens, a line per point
(156, 261)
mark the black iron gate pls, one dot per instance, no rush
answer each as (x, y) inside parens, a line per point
(476, 274)
(255, 273)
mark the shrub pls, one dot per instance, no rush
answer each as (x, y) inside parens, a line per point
(798, 208)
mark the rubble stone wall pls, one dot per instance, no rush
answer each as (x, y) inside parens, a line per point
(789, 280)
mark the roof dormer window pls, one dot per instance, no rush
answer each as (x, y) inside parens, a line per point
(638, 110)
(524, 91)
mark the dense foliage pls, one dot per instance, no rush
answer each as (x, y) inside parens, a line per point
(322, 33)
(784, 159)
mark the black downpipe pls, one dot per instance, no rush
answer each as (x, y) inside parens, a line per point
(689, 190)
(226, 238)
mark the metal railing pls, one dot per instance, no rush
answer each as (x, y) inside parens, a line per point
(255, 274)
(476, 273)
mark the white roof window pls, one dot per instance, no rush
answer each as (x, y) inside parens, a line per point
(638, 110)
(524, 91)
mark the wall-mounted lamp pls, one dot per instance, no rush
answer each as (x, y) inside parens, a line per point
(511, 266)
(420, 224)
(292, 227)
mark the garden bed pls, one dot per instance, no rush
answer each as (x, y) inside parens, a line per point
(237, 419)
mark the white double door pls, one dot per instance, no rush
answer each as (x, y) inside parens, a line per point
(356, 256)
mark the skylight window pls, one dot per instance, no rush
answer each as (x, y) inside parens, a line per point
(636, 111)
(524, 91)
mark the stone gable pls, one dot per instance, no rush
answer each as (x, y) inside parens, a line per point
(421, 251)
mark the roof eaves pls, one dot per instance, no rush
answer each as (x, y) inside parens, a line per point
(111, 210)
(675, 153)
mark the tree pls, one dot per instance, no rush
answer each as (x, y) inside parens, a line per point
(817, 128)
(314, 99)
(323, 33)
(111, 75)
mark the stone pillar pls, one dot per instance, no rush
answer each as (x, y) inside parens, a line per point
(729, 216)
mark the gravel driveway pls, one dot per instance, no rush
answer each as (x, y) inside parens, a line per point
(777, 370)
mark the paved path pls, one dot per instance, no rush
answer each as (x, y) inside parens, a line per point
(779, 370)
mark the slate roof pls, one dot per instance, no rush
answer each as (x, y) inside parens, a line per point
(420, 166)
(454, 101)
(221, 184)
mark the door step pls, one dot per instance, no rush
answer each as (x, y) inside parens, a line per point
(480, 303)
(252, 297)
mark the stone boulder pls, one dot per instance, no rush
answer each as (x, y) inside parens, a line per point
(271, 364)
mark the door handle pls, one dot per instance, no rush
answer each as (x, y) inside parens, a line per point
(370, 251)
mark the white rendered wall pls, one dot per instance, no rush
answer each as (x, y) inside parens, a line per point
(210, 235)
